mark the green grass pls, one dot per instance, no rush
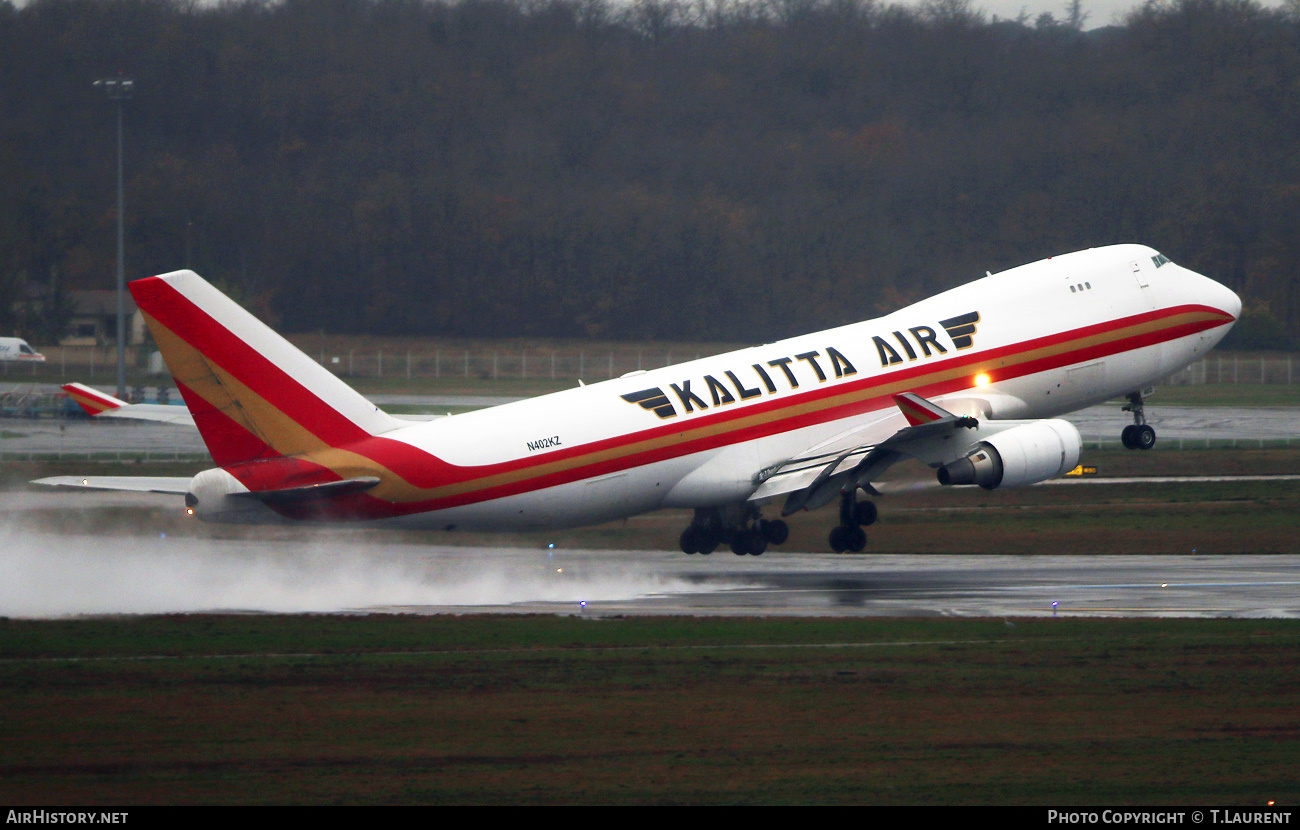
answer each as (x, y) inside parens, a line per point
(565, 710)
(313, 709)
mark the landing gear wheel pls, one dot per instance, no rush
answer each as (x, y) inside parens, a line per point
(696, 539)
(690, 540)
(776, 531)
(1138, 435)
(837, 540)
(865, 513)
(1144, 437)
(847, 538)
(749, 542)
(856, 538)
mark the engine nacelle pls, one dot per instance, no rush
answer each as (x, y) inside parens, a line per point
(1018, 457)
(213, 497)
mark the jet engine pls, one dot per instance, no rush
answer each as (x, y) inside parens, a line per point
(1018, 456)
(214, 496)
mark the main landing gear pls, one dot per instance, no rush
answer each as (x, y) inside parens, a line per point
(747, 533)
(854, 514)
(1138, 435)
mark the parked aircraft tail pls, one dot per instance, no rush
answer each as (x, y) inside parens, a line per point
(92, 401)
(253, 394)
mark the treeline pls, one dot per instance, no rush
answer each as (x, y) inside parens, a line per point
(706, 169)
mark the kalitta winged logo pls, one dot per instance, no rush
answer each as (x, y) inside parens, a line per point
(961, 329)
(653, 400)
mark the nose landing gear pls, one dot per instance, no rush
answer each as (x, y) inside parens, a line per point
(1138, 435)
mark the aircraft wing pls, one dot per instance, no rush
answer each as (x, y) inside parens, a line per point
(102, 405)
(138, 484)
(859, 455)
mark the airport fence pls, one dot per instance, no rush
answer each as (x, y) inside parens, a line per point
(108, 456)
(90, 363)
(570, 363)
(1237, 369)
(141, 456)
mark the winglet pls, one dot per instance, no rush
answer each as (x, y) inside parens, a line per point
(92, 400)
(917, 410)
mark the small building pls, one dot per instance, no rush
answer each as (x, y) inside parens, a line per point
(93, 321)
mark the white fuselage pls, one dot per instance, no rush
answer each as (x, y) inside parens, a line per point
(1033, 342)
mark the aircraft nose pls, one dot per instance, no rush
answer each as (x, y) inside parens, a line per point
(1215, 294)
(1225, 299)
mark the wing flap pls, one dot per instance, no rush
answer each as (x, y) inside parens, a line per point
(798, 475)
(857, 456)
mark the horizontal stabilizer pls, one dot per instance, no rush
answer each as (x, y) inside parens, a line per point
(311, 492)
(134, 484)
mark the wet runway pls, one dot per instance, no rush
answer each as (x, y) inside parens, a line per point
(47, 573)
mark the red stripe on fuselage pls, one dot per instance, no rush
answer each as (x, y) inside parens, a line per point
(424, 470)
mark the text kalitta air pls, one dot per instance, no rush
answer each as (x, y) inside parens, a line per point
(769, 377)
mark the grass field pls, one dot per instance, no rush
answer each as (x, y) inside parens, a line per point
(564, 710)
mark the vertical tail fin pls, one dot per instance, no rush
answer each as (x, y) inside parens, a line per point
(92, 400)
(252, 393)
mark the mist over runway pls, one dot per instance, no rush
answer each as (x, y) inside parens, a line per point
(47, 572)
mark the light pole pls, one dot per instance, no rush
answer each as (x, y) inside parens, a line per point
(120, 90)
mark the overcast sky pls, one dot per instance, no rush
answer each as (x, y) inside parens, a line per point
(1100, 12)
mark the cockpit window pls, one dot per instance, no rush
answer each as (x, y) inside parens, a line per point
(1159, 259)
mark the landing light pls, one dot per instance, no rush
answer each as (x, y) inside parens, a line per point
(982, 379)
(189, 511)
